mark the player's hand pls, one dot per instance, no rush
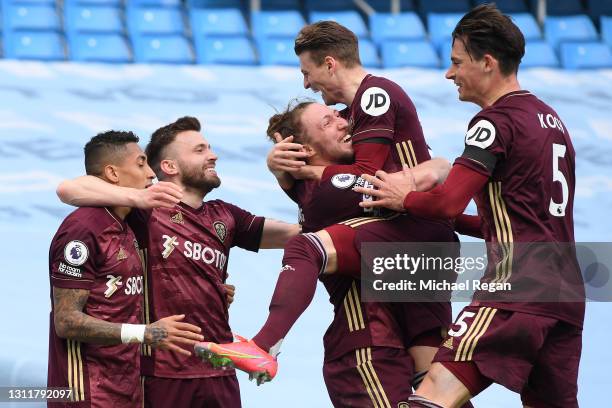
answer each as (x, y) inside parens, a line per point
(230, 291)
(286, 156)
(168, 333)
(162, 194)
(390, 189)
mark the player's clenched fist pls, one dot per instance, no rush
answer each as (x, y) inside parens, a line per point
(285, 155)
(230, 291)
(162, 194)
(168, 333)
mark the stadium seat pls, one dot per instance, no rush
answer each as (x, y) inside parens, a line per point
(92, 18)
(215, 4)
(171, 49)
(206, 22)
(29, 2)
(606, 29)
(559, 7)
(445, 52)
(155, 3)
(277, 51)
(328, 5)
(539, 53)
(528, 25)
(225, 50)
(276, 24)
(569, 28)
(280, 5)
(506, 6)
(441, 26)
(98, 47)
(368, 54)
(598, 8)
(350, 19)
(154, 20)
(113, 3)
(403, 26)
(418, 53)
(581, 55)
(384, 6)
(443, 6)
(24, 16)
(40, 45)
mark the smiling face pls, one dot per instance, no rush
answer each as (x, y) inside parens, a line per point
(327, 134)
(132, 169)
(195, 161)
(468, 74)
(319, 78)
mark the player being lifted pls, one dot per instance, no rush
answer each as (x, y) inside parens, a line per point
(519, 166)
(188, 247)
(97, 290)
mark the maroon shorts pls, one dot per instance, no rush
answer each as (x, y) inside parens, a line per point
(414, 319)
(209, 392)
(377, 377)
(533, 355)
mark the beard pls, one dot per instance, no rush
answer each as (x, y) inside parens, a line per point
(198, 179)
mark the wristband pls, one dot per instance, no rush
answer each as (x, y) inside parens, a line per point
(132, 333)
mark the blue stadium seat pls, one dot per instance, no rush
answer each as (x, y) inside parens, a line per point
(441, 26)
(506, 6)
(225, 50)
(539, 53)
(217, 22)
(92, 18)
(98, 47)
(384, 6)
(155, 3)
(585, 55)
(569, 28)
(154, 20)
(29, 2)
(528, 25)
(170, 49)
(277, 51)
(559, 7)
(23, 16)
(418, 53)
(328, 5)
(276, 24)
(215, 4)
(113, 3)
(280, 5)
(403, 26)
(598, 8)
(350, 19)
(444, 6)
(368, 54)
(40, 45)
(606, 29)
(445, 52)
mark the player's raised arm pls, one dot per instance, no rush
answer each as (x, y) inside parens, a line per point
(71, 323)
(95, 192)
(276, 233)
(285, 158)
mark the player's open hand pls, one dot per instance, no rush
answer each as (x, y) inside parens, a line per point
(230, 291)
(390, 189)
(169, 333)
(162, 194)
(285, 155)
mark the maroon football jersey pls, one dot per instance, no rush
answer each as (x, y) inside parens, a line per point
(187, 254)
(95, 250)
(382, 110)
(525, 148)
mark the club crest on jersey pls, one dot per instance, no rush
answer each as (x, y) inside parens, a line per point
(112, 285)
(220, 229)
(168, 246)
(482, 134)
(76, 253)
(375, 101)
(343, 181)
(177, 218)
(122, 254)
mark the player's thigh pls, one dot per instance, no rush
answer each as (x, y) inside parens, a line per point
(553, 382)
(168, 392)
(219, 392)
(376, 377)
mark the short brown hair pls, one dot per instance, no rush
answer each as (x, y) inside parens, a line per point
(289, 122)
(485, 30)
(104, 148)
(325, 38)
(164, 136)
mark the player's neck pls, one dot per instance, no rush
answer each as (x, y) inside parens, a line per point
(505, 86)
(121, 212)
(193, 197)
(351, 81)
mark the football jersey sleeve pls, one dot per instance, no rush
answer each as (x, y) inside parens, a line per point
(486, 142)
(248, 228)
(72, 257)
(374, 115)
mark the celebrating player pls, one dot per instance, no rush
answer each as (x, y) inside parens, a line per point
(96, 289)
(187, 251)
(519, 165)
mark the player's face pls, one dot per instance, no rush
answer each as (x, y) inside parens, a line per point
(327, 133)
(317, 78)
(133, 170)
(466, 73)
(196, 161)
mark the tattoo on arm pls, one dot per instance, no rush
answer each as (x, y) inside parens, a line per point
(71, 323)
(155, 334)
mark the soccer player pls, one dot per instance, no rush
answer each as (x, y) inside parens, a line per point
(97, 290)
(187, 251)
(519, 165)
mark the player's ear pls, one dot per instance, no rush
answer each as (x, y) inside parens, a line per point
(306, 148)
(489, 62)
(330, 63)
(168, 167)
(111, 174)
